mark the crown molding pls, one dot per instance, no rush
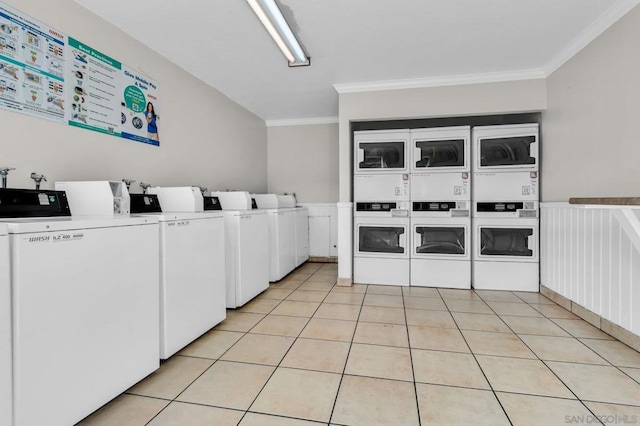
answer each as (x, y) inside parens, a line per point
(600, 25)
(302, 121)
(453, 80)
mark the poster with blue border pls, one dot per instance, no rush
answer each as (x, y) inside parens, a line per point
(45, 74)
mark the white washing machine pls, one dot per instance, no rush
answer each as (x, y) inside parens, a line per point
(247, 247)
(6, 379)
(505, 248)
(192, 264)
(85, 309)
(441, 244)
(381, 244)
(302, 235)
(282, 234)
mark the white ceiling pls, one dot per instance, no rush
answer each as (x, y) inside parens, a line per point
(354, 41)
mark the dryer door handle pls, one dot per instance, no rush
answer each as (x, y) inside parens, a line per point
(403, 241)
(359, 157)
(530, 242)
(533, 148)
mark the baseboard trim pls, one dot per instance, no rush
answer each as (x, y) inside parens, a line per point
(623, 335)
(323, 260)
(345, 282)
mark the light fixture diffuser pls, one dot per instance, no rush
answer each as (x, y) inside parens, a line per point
(271, 17)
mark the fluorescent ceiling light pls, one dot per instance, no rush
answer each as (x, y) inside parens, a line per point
(272, 19)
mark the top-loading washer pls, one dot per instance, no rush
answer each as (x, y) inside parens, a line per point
(84, 306)
(302, 227)
(6, 379)
(282, 234)
(247, 247)
(192, 264)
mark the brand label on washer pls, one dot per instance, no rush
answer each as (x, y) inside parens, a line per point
(184, 223)
(55, 238)
(67, 236)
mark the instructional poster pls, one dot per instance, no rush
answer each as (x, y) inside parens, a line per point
(46, 74)
(94, 83)
(32, 62)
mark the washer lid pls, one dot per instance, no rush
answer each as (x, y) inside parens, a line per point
(51, 224)
(175, 216)
(3, 229)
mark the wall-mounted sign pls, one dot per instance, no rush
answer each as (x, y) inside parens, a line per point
(47, 74)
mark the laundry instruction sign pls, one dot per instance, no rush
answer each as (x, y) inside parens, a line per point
(47, 74)
(32, 61)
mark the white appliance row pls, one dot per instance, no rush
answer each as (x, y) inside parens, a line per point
(400, 165)
(447, 149)
(191, 295)
(437, 252)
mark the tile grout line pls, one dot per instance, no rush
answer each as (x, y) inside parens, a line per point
(545, 364)
(283, 357)
(344, 369)
(475, 358)
(413, 371)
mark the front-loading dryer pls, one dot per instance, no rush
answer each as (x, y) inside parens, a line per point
(440, 244)
(440, 150)
(506, 254)
(381, 151)
(381, 244)
(512, 147)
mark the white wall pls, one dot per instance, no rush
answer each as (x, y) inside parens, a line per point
(304, 159)
(590, 134)
(206, 139)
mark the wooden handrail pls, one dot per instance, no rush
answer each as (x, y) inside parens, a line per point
(609, 201)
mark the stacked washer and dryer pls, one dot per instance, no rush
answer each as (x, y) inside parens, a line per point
(381, 221)
(505, 207)
(440, 205)
(437, 244)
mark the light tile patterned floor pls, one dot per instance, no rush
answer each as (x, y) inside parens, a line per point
(306, 352)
